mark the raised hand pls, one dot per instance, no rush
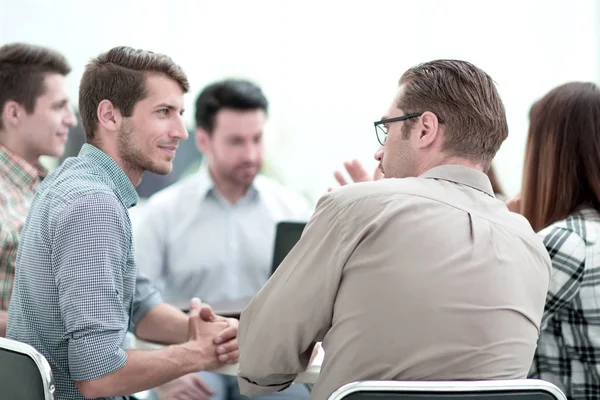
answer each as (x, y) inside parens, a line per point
(357, 172)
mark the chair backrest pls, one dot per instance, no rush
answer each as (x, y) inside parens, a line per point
(517, 389)
(24, 373)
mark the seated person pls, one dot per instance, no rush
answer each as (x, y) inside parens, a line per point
(211, 235)
(561, 199)
(77, 290)
(422, 276)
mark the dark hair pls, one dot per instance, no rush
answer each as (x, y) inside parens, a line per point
(119, 75)
(562, 159)
(466, 99)
(23, 68)
(236, 94)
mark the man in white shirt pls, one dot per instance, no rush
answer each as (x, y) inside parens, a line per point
(211, 235)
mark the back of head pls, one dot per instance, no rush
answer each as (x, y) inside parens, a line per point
(119, 76)
(234, 94)
(22, 71)
(562, 159)
(465, 98)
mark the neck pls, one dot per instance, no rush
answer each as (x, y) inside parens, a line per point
(231, 191)
(449, 160)
(19, 148)
(134, 174)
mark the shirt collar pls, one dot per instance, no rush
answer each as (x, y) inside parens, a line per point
(125, 189)
(461, 175)
(206, 185)
(19, 171)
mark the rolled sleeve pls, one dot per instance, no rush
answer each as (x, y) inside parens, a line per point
(90, 245)
(146, 297)
(95, 355)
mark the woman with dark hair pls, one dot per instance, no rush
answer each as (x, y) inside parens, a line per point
(561, 199)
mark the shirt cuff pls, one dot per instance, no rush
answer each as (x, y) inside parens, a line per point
(95, 355)
(253, 389)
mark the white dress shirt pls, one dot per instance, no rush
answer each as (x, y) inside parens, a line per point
(191, 241)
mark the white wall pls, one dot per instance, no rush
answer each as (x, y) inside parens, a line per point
(330, 68)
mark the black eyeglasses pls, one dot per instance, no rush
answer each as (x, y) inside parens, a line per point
(381, 129)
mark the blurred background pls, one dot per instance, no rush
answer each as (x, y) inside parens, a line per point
(328, 68)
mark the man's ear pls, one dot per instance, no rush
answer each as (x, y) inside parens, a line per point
(202, 140)
(12, 113)
(429, 130)
(109, 117)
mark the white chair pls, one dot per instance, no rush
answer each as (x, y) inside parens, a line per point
(517, 389)
(24, 372)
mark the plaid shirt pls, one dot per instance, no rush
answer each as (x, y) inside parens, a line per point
(568, 352)
(18, 182)
(77, 291)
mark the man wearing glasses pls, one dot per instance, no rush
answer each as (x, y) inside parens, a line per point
(423, 276)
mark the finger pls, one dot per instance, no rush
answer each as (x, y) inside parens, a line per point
(340, 178)
(203, 386)
(230, 358)
(226, 335)
(195, 307)
(357, 171)
(194, 394)
(228, 347)
(207, 314)
(224, 319)
(184, 396)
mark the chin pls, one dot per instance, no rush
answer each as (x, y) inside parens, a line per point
(246, 181)
(55, 152)
(161, 169)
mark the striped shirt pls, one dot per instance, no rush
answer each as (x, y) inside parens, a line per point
(568, 351)
(76, 289)
(18, 182)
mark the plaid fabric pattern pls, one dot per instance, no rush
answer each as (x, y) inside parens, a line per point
(568, 352)
(76, 290)
(18, 182)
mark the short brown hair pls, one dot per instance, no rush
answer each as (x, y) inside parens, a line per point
(119, 76)
(465, 98)
(23, 68)
(562, 158)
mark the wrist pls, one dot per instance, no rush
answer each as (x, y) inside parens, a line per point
(192, 359)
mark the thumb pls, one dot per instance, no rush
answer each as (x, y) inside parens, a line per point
(378, 174)
(195, 307)
(207, 314)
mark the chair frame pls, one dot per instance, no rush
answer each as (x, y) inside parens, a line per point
(448, 386)
(40, 361)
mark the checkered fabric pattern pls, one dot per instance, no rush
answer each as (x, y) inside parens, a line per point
(76, 290)
(568, 352)
(18, 182)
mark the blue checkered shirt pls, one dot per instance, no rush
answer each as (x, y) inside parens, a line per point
(76, 290)
(568, 351)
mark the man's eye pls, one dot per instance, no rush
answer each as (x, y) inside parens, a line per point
(164, 111)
